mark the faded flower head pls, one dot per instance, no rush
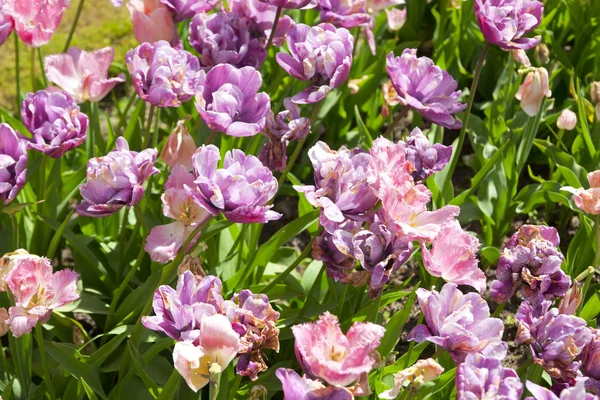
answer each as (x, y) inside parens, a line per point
(35, 21)
(425, 157)
(588, 200)
(116, 180)
(223, 38)
(13, 163)
(479, 377)
(55, 121)
(325, 352)
(37, 291)
(320, 54)
(533, 90)
(241, 189)
(229, 100)
(162, 75)
(556, 340)
(422, 85)
(505, 22)
(459, 323)
(421, 372)
(531, 258)
(81, 74)
(152, 22)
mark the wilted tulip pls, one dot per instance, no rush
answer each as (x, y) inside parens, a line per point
(116, 180)
(421, 372)
(81, 74)
(325, 249)
(13, 163)
(324, 352)
(595, 92)
(459, 323)
(180, 148)
(241, 189)
(152, 22)
(425, 157)
(422, 85)
(571, 300)
(542, 53)
(55, 121)
(35, 21)
(567, 120)
(320, 54)
(229, 100)
(37, 291)
(533, 90)
(505, 22)
(479, 377)
(162, 75)
(588, 200)
(186, 9)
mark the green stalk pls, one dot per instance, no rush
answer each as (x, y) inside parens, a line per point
(33, 85)
(41, 59)
(390, 130)
(18, 74)
(274, 28)
(39, 335)
(305, 253)
(463, 130)
(74, 25)
(149, 126)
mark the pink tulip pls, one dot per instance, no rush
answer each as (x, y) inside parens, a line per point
(520, 56)
(152, 21)
(179, 149)
(533, 90)
(208, 351)
(7, 264)
(567, 120)
(395, 18)
(35, 21)
(324, 352)
(588, 200)
(81, 74)
(37, 291)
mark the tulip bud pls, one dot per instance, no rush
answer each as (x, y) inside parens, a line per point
(569, 303)
(180, 148)
(521, 57)
(595, 92)
(542, 53)
(567, 120)
(532, 91)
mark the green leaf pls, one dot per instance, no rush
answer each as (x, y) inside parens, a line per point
(100, 355)
(591, 308)
(362, 128)
(395, 325)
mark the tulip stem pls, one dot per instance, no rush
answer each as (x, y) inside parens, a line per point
(18, 74)
(305, 253)
(39, 335)
(15, 231)
(597, 230)
(498, 310)
(274, 28)
(41, 60)
(149, 127)
(74, 25)
(390, 130)
(463, 130)
(33, 69)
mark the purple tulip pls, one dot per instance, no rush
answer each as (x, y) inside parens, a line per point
(504, 22)
(426, 158)
(459, 323)
(302, 388)
(6, 27)
(115, 180)
(186, 9)
(229, 101)
(180, 311)
(223, 38)
(13, 163)
(162, 75)
(341, 183)
(427, 88)
(320, 54)
(241, 189)
(576, 392)
(590, 362)
(289, 4)
(344, 13)
(325, 249)
(531, 257)
(55, 121)
(485, 378)
(259, 17)
(556, 340)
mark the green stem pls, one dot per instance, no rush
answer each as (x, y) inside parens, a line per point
(170, 389)
(33, 85)
(149, 126)
(39, 335)
(498, 310)
(156, 121)
(463, 130)
(41, 59)
(74, 25)
(597, 230)
(390, 130)
(305, 253)
(18, 74)
(15, 231)
(42, 180)
(274, 28)
(340, 309)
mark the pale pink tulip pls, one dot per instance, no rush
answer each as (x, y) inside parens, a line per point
(81, 74)
(421, 372)
(180, 148)
(395, 18)
(588, 200)
(453, 256)
(152, 21)
(567, 120)
(7, 264)
(520, 56)
(533, 90)
(37, 291)
(35, 21)
(214, 346)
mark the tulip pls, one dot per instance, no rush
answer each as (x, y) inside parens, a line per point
(13, 163)
(572, 299)
(55, 121)
(324, 352)
(396, 18)
(6, 26)
(576, 392)
(320, 54)
(344, 13)
(228, 101)
(8, 263)
(81, 74)
(521, 57)
(567, 120)
(302, 388)
(259, 16)
(595, 92)
(505, 22)
(588, 200)
(165, 241)
(289, 4)
(422, 85)
(556, 340)
(533, 90)
(152, 22)
(241, 189)
(179, 148)
(116, 180)
(162, 75)
(421, 372)
(426, 158)
(37, 291)
(209, 354)
(35, 21)
(186, 9)
(325, 249)
(223, 38)
(459, 323)
(485, 378)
